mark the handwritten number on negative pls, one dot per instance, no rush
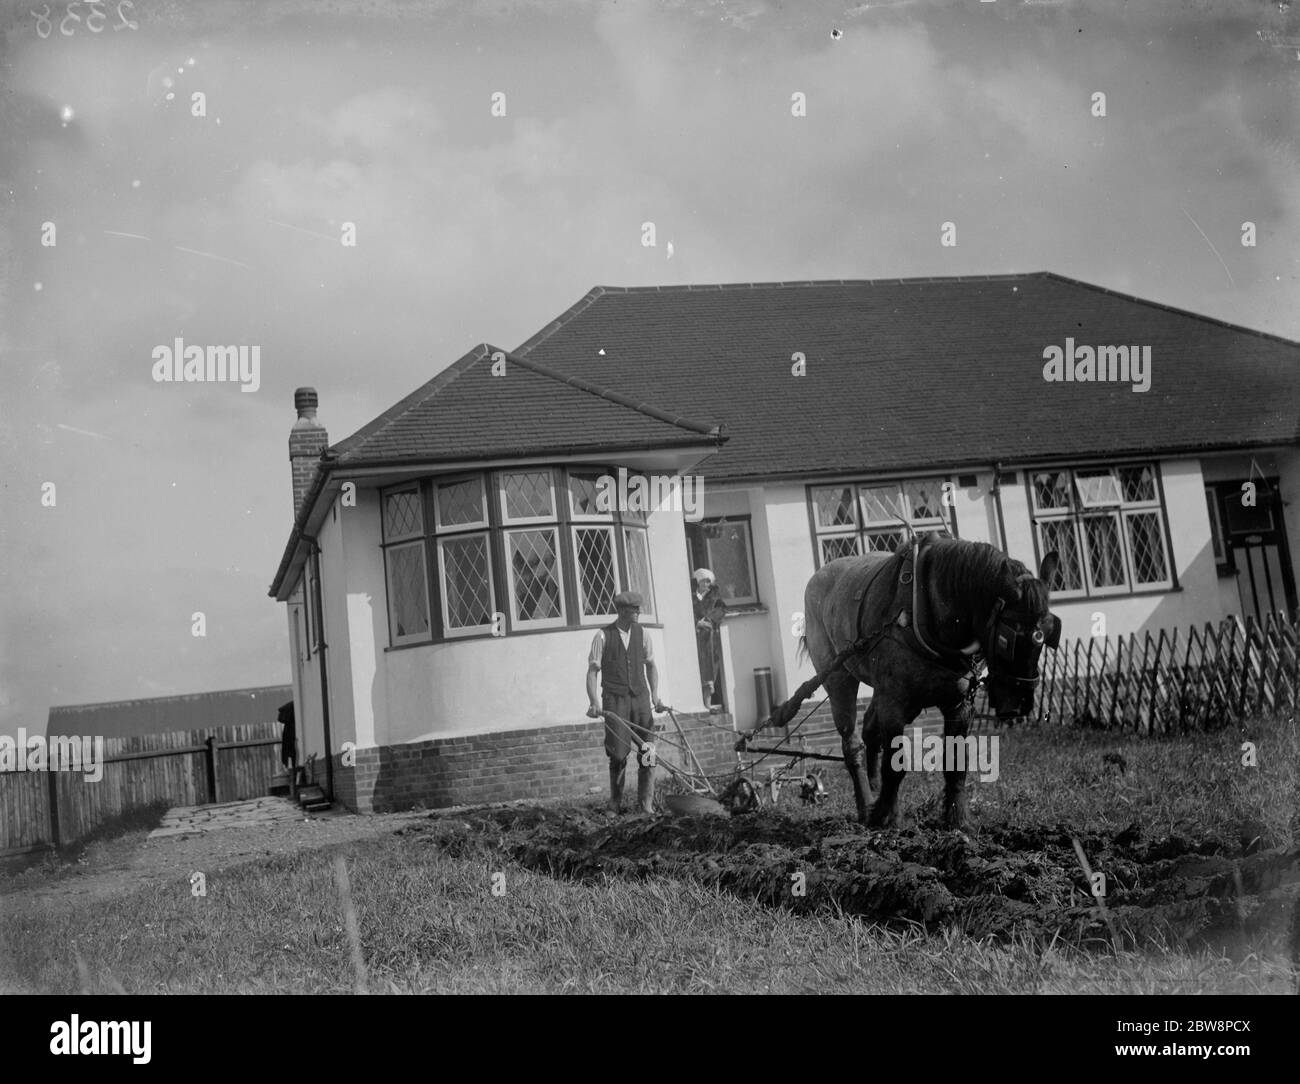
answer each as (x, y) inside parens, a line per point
(63, 26)
(94, 22)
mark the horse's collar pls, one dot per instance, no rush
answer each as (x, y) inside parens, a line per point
(913, 617)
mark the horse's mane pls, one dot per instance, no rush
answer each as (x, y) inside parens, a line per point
(980, 574)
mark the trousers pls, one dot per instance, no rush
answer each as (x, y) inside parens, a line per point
(620, 743)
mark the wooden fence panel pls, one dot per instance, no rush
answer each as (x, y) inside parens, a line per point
(24, 805)
(176, 775)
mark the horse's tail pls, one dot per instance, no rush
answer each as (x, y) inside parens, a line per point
(801, 653)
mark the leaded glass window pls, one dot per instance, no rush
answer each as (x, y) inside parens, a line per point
(872, 517)
(527, 495)
(466, 569)
(518, 550)
(1108, 526)
(597, 567)
(536, 589)
(408, 600)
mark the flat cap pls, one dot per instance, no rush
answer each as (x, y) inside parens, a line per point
(627, 598)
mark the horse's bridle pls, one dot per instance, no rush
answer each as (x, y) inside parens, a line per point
(1012, 642)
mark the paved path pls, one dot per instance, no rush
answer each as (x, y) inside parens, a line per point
(264, 812)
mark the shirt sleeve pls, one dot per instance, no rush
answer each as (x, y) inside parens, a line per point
(597, 649)
(647, 646)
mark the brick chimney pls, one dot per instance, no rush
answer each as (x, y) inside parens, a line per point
(307, 439)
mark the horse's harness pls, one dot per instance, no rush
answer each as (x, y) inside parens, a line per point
(1008, 636)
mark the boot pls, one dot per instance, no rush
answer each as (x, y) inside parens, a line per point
(645, 789)
(617, 771)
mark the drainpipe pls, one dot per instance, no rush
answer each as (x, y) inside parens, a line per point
(997, 503)
(324, 677)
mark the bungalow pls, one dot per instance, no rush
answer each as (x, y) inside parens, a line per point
(449, 562)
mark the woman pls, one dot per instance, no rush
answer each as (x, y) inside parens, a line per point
(709, 612)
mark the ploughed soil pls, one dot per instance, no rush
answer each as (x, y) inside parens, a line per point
(1006, 882)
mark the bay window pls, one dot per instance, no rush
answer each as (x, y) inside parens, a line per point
(508, 551)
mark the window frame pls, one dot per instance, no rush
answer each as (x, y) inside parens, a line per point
(498, 529)
(648, 608)
(1125, 515)
(560, 620)
(315, 607)
(611, 532)
(439, 527)
(508, 520)
(745, 522)
(584, 517)
(1115, 518)
(864, 529)
(406, 541)
(448, 631)
(1079, 510)
(1218, 534)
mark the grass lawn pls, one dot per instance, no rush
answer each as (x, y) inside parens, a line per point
(429, 921)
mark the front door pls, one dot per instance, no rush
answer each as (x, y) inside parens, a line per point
(1254, 538)
(702, 552)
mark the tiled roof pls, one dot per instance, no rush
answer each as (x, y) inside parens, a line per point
(912, 373)
(466, 412)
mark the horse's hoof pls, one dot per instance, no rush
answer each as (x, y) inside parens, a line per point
(877, 820)
(954, 819)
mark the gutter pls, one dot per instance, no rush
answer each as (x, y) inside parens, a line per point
(1023, 462)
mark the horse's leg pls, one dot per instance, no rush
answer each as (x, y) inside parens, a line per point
(842, 688)
(889, 723)
(956, 721)
(871, 737)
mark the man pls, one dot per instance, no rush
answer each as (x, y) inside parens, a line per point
(709, 612)
(624, 657)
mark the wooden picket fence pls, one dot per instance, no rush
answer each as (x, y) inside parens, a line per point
(1171, 682)
(221, 764)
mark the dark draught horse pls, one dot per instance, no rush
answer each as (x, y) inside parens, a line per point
(927, 612)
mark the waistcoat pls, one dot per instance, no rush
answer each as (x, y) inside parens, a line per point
(622, 670)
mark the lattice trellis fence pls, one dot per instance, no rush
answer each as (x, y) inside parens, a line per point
(1171, 682)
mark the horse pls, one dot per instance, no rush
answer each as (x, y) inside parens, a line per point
(913, 625)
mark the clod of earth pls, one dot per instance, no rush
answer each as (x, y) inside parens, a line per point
(1022, 881)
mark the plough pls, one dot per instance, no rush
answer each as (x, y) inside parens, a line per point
(700, 791)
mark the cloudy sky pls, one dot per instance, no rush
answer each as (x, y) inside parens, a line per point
(224, 228)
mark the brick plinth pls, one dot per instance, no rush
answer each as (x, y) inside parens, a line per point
(546, 762)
